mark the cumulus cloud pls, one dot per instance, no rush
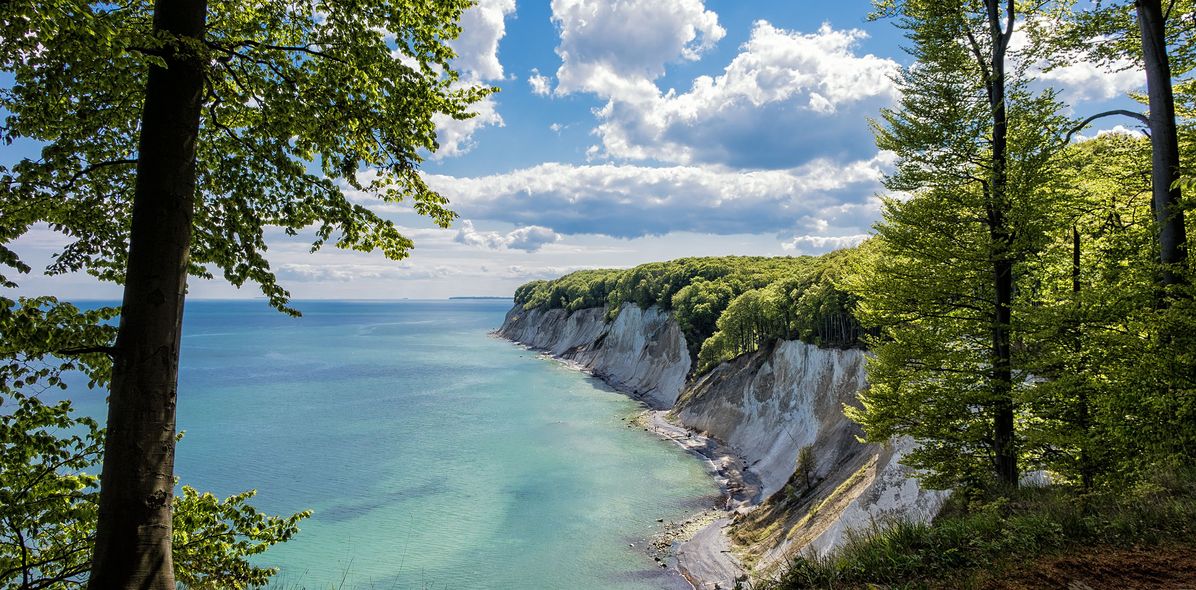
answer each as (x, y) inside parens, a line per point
(455, 136)
(528, 239)
(1116, 129)
(525, 273)
(616, 47)
(786, 98)
(820, 244)
(1084, 80)
(541, 84)
(630, 201)
(482, 27)
(1080, 78)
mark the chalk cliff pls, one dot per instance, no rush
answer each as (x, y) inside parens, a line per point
(641, 352)
(765, 408)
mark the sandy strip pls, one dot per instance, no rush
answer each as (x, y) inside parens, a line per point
(700, 546)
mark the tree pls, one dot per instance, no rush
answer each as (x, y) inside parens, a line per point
(973, 147)
(1165, 171)
(172, 135)
(1116, 402)
(1143, 32)
(49, 456)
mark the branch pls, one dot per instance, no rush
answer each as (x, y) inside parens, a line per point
(108, 350)
(1131, 114)
(308, 49)
(1010, 13)
(92, 168)
(979, 55)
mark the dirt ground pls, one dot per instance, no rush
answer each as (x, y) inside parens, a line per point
(1153, 568)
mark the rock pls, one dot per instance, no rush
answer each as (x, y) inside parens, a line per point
(766, 405)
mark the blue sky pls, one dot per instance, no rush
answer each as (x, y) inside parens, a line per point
(628, 131)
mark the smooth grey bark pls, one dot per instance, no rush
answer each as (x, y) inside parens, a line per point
(133, 536)
(1169, 217)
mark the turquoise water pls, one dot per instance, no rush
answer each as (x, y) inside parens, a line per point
(433, 454)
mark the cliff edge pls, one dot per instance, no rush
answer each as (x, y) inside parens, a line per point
(766, 408)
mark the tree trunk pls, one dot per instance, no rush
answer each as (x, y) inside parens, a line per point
(1004, 447)
(133, 536)
(1164, 144)
(1086, 475)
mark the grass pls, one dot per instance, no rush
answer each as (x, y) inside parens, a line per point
(964, 546)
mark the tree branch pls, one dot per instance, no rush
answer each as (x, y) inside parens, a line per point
(70, 184)
(108, 350)
(1131, 114)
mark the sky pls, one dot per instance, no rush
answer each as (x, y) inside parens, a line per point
(630, 131)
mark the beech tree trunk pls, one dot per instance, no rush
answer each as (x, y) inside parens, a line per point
(1164, 143)
(1077, 348)
(133, 537)
(1004, 446)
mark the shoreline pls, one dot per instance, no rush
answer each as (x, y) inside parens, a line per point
(697, 548)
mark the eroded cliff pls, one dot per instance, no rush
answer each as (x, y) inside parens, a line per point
(641, 352)
(765, 408)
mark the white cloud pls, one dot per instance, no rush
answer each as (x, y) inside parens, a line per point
(1075, 76)
(820, 244)
(482, 27)
(346, 272)
(541, 85)
(786, 98)
(528, 239)
(1083, 80)
(455, 136)
(630, 201)
(1116, 129)
(614, 47)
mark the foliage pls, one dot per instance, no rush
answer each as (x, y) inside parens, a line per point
(48, 509)
(47, 500)
(213, 539)
(377, 74)
(35, 329)
(726, 306)
(942, 279)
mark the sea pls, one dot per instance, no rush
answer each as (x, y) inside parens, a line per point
(433, 454)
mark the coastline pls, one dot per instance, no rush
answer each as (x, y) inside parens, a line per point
(697, 548)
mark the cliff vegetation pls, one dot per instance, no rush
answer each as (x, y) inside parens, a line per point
(726, 306)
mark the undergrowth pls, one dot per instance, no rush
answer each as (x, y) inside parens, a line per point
(999, 533)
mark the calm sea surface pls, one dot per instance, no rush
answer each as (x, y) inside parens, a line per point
(433, 454)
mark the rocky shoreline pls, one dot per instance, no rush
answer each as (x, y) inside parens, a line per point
(749, 418)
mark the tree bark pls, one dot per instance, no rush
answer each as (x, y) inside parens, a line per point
(1164, 143)
(1086, 471)
(133, 536)
(1004, 446)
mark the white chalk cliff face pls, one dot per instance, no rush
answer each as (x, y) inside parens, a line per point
(765, 407)
(642, 352)
(768, 405)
